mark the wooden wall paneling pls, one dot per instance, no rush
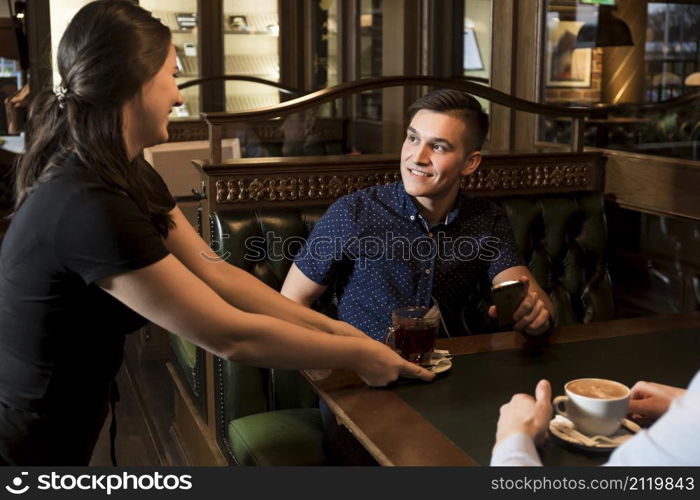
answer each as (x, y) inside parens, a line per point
(349, 43)
(502, 73)
(527, 63)
(212, 95)
(653, 184)
(445, 37)
(414, 47)
(196, 437)
(38, 27)
(314, 16)
(393, 63)
(293, 43)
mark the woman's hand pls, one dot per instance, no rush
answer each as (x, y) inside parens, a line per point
(378, 365)
(649, 400)
(346, 329)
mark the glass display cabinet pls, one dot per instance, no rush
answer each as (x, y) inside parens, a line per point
(181, 16)
(223, 37)
(251, 48)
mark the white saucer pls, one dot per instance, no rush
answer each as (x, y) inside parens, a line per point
(620, 436)
(441, 361)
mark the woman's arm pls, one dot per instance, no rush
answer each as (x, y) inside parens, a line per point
(240, 288)
(168, 294)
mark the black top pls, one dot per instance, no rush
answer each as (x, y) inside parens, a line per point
(61, 336)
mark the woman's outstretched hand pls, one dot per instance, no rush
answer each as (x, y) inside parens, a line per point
(379, 365)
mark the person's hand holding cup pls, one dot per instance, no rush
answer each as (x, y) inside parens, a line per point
(413, 332)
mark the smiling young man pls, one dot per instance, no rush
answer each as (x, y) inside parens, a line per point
(419, 242)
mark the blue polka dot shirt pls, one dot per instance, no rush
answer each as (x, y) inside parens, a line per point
(380, 251)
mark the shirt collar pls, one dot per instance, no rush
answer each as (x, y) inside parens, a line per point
(412, 212)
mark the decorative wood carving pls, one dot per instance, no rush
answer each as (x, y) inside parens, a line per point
(274, 188)
(539, 176)
(234, 188)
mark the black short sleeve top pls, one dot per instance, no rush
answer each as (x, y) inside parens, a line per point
(61, 336)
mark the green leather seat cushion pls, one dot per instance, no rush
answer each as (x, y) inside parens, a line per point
(282, 437)
(185, 351)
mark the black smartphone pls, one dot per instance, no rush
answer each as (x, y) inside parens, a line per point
(506, 297)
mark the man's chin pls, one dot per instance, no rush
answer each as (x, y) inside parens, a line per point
(412, 191)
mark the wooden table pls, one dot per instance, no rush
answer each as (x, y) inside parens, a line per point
(394, 427)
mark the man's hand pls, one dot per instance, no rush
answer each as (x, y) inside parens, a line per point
(527, 414)
(649, 400)
(531, 316)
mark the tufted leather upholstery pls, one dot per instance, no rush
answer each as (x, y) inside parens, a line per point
(561, 238)
(190, 364)
(264, 389)
(265, 417)
(563, 242)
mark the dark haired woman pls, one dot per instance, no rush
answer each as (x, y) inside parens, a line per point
(96, 246)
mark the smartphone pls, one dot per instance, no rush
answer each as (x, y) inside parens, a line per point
(506, 297)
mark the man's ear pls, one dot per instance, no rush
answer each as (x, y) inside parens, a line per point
(472, 163)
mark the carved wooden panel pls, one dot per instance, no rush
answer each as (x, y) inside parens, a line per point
(544, 176)
(555, 178)
(302, 179)
(297, 188)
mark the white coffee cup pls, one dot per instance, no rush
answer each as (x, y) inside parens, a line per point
(594, 405)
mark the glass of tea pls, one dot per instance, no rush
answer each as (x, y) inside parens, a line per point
(413, 334)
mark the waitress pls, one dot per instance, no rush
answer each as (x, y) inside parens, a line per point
(97, 247)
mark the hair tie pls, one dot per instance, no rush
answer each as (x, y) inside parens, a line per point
(60, 91)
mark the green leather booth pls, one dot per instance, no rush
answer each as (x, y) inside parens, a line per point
(268, 417)
(189, 362)
(265, 417)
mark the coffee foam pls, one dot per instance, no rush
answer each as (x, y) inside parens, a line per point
(597, 388)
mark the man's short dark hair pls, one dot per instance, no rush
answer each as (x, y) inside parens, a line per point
(462, 105)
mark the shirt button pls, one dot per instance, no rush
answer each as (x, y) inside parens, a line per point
(412, 217)
(427, 271)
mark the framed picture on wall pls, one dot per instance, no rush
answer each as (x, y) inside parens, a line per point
(238, 23)
(472, 55)
(566, 66)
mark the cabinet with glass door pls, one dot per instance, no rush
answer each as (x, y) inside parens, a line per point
(223, 37)
(182, 17)
(251, 48)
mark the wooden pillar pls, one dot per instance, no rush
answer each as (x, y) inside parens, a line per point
(293, 43)
(393, 22)
(527, 63)
(502, 72)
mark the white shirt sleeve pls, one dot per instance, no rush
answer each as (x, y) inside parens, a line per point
(674, 439)
(516, 450)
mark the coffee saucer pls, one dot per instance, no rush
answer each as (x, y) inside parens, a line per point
(563, 429)
(440, 362)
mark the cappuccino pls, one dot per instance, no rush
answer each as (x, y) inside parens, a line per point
(598, 388)
(594, 405)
